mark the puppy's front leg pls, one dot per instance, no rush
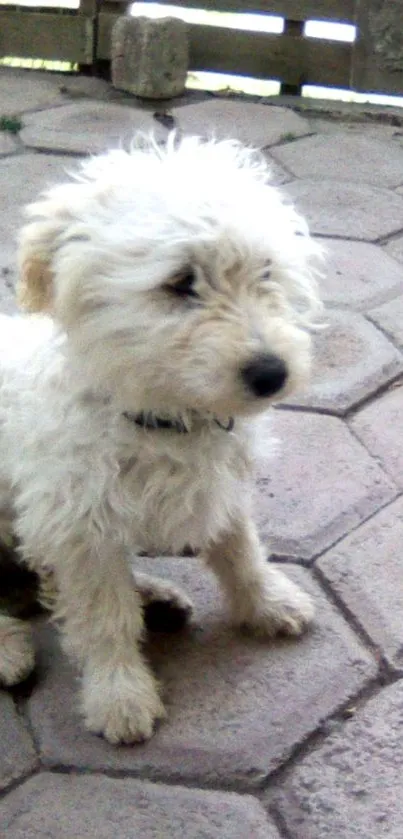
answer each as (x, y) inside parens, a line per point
(102, 625)
(261, 597)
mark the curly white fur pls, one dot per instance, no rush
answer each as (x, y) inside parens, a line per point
(80, 483)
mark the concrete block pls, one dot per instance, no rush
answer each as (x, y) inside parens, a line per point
(150, 56)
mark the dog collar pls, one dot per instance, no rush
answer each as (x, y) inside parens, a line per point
(154, 423)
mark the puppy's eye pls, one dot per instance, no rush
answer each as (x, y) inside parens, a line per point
(184, 286)
(266, 273)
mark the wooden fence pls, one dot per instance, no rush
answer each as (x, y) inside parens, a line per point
(374, 62)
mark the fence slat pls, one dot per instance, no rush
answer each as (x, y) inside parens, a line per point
(296, 61)
(54, 37)
(336, 10)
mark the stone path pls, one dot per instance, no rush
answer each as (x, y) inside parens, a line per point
(287, 740)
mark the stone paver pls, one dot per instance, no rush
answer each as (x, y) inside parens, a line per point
(358, 275)
(331, 496)
(87, 127)
(395, 248)
(345, 157)
(365, 571)
(352, 360)
(356, 211)
(80, 807)
(389, 318)
(21, 91)
(279, 174)
(379, 427)
(350, 788)
(236, 706)
(17, 752)
(257, 125)
(8, 143)
(21, 181)
(319, 485)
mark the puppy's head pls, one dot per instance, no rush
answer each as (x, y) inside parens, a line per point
(182, 278)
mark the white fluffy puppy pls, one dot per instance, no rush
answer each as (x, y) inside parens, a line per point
(171, 292)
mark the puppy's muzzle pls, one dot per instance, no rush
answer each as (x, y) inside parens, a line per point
(264, 375)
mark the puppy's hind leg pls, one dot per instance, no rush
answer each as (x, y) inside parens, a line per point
(166, 607)
(16, 651)
(262, 599)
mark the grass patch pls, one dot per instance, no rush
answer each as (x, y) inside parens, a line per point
(11, 124)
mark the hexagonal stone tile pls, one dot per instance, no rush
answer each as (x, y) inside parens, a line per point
(8, 143)
(279, 175)
(256, 125)
(351, 786)
(320, 483)
(232, 715)
(27, 91)
(358, 275)
(22, 177)
(72, 806)
(352, 158)
(365, 571)
(356, 211)
(17, 752)
(87, 127)
(379, 427)
(390, 319)
(352, 360)
(395, 248)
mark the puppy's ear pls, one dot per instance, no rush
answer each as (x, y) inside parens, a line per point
(34, 289)
(39, 242)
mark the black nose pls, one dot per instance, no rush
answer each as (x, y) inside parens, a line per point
(264, 375)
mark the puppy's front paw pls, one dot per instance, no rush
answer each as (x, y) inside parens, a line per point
(277, 606)
(122, 703)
